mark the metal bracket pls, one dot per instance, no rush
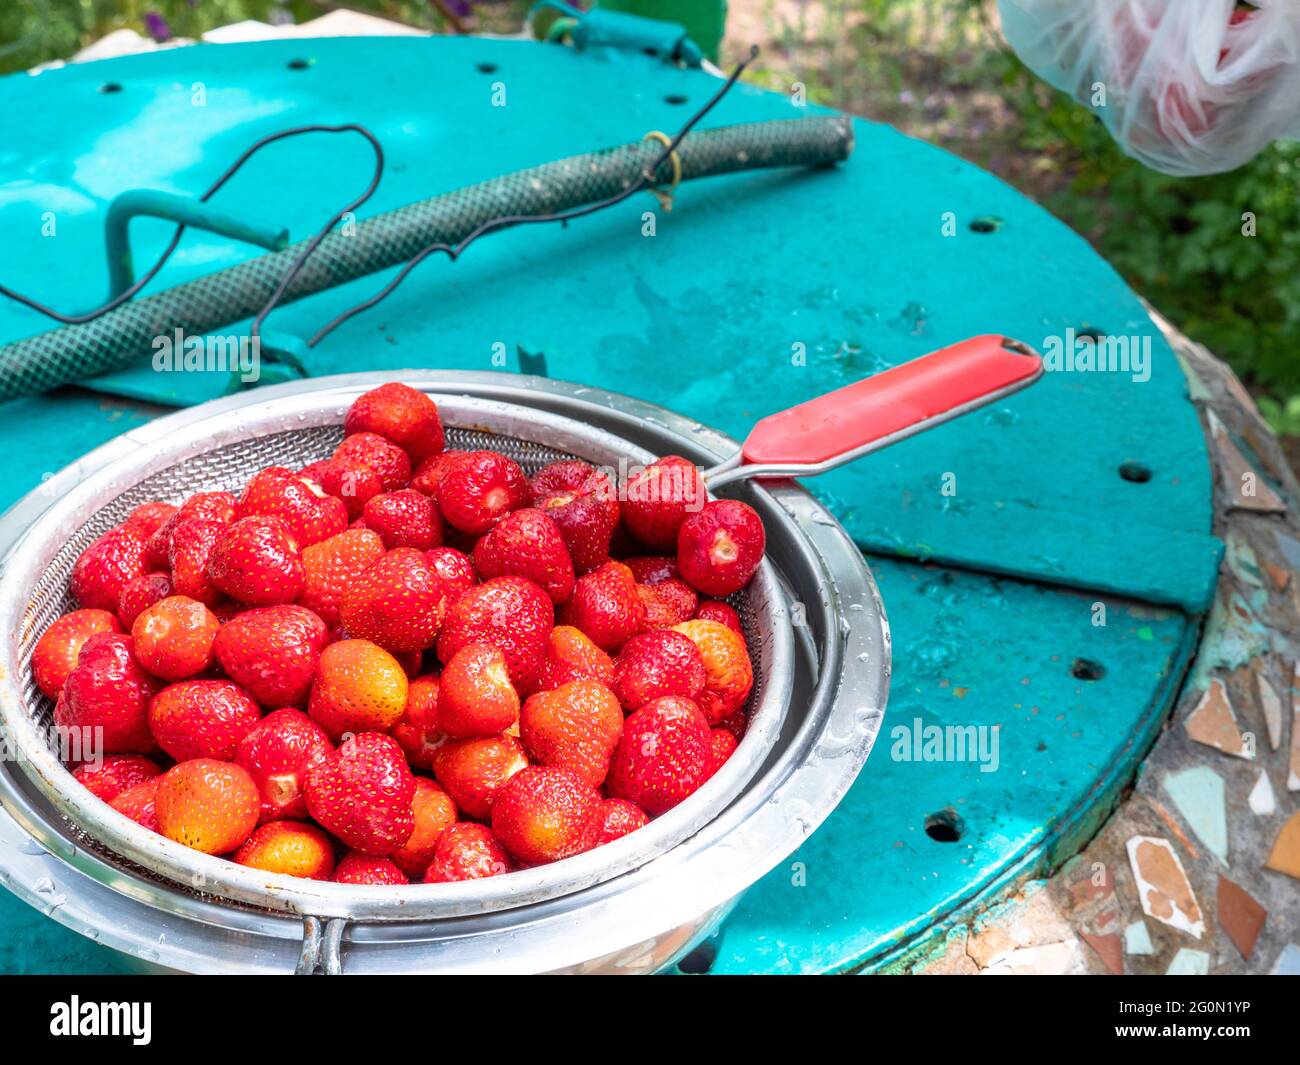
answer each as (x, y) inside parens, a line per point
(320, 947)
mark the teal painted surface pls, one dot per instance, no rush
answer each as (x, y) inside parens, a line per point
(848, 267)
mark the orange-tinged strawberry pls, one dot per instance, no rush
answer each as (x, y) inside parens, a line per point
(290, 848)
(362, 793)
(618, 817)
(509, 613)
(466, 851)
(400, 413)
(575, 726)
(272, 652)
(359, 687)
(383, 456)
(140, 593)
(217, 507)
(545, 813)
(397, 603)
(277, 752)
(105, 700)
(455, 569)
(654, 664)
(418, 732)
(478, 489)
(366, 869)
(605, 605)
(668, 603)
(55, 655)
(722, 745)
(720, 548)
(473, 771)
(660, 498)
(728, 672)
(207, 804)
(137, 803)
(475, 696)
(257, 561)
(663, 757)
(113, 775)
(570, 655)
(311, 514)
(723, 613)
(333, 566)
(202, 719)
(103, 569)
(404, 518)
(434, 813)
(526, 543)
(190, 546)
(582, 502)
(173, 638)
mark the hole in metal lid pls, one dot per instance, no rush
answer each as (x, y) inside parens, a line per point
(945, 826)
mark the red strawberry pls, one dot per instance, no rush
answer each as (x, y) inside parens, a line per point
(363, 869)
(173, 638)
(723, 613)
(475, 696)
(668, 603)
(138, 803)
(428, 476)
(582, 502)
(473, 771)
(108, 690)
(466, 851)
(576, 727)
(434, 813)
(570, 655)
(202, 719)
(455, 569)
(312, 516)
(606, 606)
(479, 488)
(652, 569)
(655, 664)
(719, 548)
(663, 757)
(398, 602)
(363, 792)
(510, 613)
(544, 813)
(140, 593)
(55, 655)
(289, 848)
(404, 519)
(104, 568)
(115, 774)
(150, 517)
(351, 480)
(257, 562)
(384, 457)
(359, 687)
(272, 652)
(418, 732)
(277, 753)
(526, 543)
(333, 566)
(659, 498)
(722, 745)
(190, 547)
(206, 804)
(401, 414)
(207, 506)
(618, 818)
(737, 724)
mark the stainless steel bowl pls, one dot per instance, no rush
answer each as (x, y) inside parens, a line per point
(812, 614)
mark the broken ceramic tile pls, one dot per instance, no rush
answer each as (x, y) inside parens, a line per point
(1109, 948)
(1290, 548)
(1163, 887)
(1288, 962)
(1242, 561)
(1214, 724)
(1188, 962)
(1137, 940)
(1262, 800)
(1285, 856)
(1293, 776)
(1047, 959)
(1199, 795)
(1240, 916)
(1244, 488)
(1271, 705)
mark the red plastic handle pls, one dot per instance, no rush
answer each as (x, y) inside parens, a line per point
(935, 386)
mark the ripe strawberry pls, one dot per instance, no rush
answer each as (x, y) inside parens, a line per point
(570, 655)
(206, 506)
(605, 605)
(526, 543)
(663, 757)
(173, 638)
(364, 869)
(103, 569)
(455, 569)
(668, 603)
(575, 726)
(363, 793)
(290, 848)
(473, 771)
(202, 719)
(428, 476)
(723, 613)
(359, 687)
(272, 652)
(434, 813)
(655, 664)
(191, 546)
(310, 514)
(737, 724)
(728, 672)
(257, 561)
(475, 696)
(350, 480)
(653, 569)
(140, 593)
(466, 851)
(150, 517)
(510, 613)
(206, 804)
(544, 813)
(108, 690)
(582, 502)
(138, 803)
(333, 566)
(417, 733)
(384, 457)
(277, 753)
(404, 519)
(719, 548)
(55, 655)
(398, 602)
(399, 413)
(618, 818)
(479, 488)
(722, 745)
(115, 774)
(660, 498)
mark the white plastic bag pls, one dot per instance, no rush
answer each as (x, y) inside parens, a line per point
(1185, 86)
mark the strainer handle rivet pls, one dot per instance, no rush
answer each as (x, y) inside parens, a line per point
(321, 955)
